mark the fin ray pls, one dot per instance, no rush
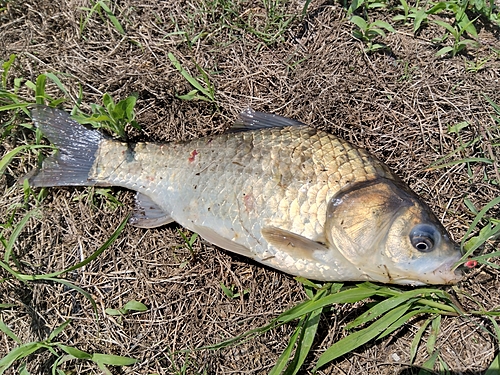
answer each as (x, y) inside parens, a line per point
(253, 120)
(77, 147)
(147, 214)
(291, 243)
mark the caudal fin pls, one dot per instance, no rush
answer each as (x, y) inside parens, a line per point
(77, 147)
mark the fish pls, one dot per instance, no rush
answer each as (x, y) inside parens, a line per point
(289, 196)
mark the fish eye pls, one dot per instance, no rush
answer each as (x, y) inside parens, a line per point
(423, 237)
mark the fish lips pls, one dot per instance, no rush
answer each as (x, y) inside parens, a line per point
(447, 273)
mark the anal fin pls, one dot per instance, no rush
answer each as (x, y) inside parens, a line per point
(147, 214)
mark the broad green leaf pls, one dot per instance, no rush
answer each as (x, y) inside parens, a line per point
(494, 368)
(113, 360)
(359, 22)
(77, 353)
(437, 8)
(135, 306)
(444, 51)
(448, 27)
(429, 364)
(376, 31)
(420, 16)
(383, 25)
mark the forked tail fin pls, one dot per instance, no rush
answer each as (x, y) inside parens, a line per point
(77, 147)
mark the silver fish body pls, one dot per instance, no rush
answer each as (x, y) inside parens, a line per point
(289, 196)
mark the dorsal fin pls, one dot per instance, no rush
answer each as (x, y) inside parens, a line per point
(253, 120)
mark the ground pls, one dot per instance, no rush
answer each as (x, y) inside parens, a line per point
(399, 103)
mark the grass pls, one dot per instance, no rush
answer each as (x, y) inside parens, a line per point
(390, 308)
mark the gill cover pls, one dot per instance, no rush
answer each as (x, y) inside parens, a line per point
(390, 235)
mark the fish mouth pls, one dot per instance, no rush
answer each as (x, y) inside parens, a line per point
(445, 273)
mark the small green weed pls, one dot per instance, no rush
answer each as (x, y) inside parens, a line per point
(457, 31)
(206, 93)
(364, 5)
(95, 197)
(231, 291)
(189, 242)
(368, 32)
(129, 307)
(62, 353)
(99, 7)
(111, 116)
(416, 13)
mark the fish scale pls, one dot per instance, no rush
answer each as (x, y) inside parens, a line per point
(284, 194)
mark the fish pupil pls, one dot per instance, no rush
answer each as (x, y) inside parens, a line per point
(422, 246)
(423, 237)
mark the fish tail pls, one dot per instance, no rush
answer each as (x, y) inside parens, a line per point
(76, 149)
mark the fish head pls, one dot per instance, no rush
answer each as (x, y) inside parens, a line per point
(385, 230)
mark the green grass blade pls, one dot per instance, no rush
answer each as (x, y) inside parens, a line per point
(77, 353)
(15, 234)
(5, 329)
(285, 356)
(9, 156)
(346, 296)
(112, 17)
(103, 247)
(384, 306)
(6, 67)
(40, 89)
(10, 107)
(58, 83)
(474, 223)
(417, 339)
(58, 330)
(309, 329)
(20, 352)
(193, 81)
(356, 339)
(74, 287)
(405, 318)
(465, 160)
(431, 340)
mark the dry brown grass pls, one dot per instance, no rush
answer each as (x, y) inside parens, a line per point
(398, 105)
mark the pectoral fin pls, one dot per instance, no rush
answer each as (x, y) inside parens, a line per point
(295, 245)
(147, 214)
